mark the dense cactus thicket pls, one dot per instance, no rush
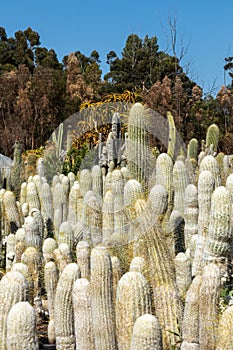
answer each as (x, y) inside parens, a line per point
(119, 258)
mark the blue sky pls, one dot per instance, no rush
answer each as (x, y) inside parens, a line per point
(71, 25)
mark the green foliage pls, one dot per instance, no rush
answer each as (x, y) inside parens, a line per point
(74, 158)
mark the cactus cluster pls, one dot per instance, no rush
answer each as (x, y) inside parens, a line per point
(114, 260)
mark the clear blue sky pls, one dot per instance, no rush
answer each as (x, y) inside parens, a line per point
(71, 25)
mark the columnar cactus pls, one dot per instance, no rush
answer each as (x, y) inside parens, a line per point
(47, 207)
(32, 197)
(210, 163)
(132, 192)
(180, 181)
(85, 181)
(108, 216)
(83, 253)
(183, 273)
(63, 308)
(11, 213)
(13, 288)
(172, 136)
(23, 193)
(116, 275)
(205, 190)
(132, 300)
(32, 258)
(162, 281)
(219, 233)
(208, 307)
(21, 327)
(66, 185)
(66, 235)
(75, 204)
(10, 251)
(101, 302)
(157, 202)
(147, 334)
(164, 168)
(62, 256)
(118, 194)
(48, 248)
(92, 218)
(97, 181)
(83, 327)
(50, 280)
(23, 268)
(193, 149)
(137, 144)
(190, 213)
(60, 205)
(32, 233)
(190, 325)
(212, 137)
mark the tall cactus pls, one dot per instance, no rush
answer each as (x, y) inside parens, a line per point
(82, 315)
(205, 190)
(83, 253)
(210, 163)
(137, 144)
(11, 213)
(21, 327)
(108, 216)
(147, 334)
(63, 308)
(132, 300)
(102, 299)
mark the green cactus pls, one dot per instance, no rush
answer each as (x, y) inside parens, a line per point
(147, 334)
(83, 326)
(102, 299)
(63, 308)
(132, 300)
(212, 137)
(193, 149)
(21, 327)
